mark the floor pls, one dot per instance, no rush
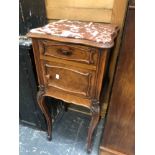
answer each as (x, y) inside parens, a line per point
(69, 137)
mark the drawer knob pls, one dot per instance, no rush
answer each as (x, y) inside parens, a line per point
(64, 52)
(47, 76)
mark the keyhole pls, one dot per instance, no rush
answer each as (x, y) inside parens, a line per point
(57, 76)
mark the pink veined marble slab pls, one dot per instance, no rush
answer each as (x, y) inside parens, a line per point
(96, 32)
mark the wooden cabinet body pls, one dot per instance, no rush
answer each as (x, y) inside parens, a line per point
(78, 73)
(73, 73)
(72, 69)
(119, 132)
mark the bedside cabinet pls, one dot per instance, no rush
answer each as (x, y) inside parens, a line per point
(71, 59)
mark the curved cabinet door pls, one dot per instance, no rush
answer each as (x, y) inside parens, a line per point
(72, 80)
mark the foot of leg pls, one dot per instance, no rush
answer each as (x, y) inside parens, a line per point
(44, 109)
(95, 110)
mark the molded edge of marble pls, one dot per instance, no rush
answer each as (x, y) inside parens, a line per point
(49, 31)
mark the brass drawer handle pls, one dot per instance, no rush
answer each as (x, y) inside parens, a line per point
(64, 52)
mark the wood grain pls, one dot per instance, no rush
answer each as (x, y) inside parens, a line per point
(80, 3)
(118, 16)
(69, 98)
(70, 40)
(82, 14)
(70, 52)
(106, 151)
(37, 61)
(84, 66)
(119, 129)
(76, 83)
(80, 10)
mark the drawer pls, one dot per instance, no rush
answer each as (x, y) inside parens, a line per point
(72, 80)
(70, 52)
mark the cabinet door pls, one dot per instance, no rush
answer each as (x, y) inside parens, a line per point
(69, 79)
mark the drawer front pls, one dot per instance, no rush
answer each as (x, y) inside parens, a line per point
(71, 52)
(68, 79)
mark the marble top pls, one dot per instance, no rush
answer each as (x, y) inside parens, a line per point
(96, 32)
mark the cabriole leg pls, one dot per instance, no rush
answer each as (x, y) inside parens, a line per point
(44, 109)
(95, 110)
